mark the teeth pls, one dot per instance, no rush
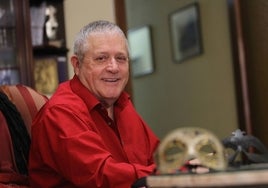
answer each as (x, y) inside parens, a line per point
(111, 80)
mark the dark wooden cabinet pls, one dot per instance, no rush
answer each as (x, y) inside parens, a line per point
(32, 44)
(16, 63)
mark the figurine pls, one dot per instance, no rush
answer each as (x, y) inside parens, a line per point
(248, 145)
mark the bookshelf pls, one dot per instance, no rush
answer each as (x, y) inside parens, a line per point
(49, 44)
(32, 31)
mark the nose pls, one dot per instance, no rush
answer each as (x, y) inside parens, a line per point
(113, 65)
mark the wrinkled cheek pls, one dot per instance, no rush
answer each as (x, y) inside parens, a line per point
(126, 78)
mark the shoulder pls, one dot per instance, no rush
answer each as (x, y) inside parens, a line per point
(64, 102)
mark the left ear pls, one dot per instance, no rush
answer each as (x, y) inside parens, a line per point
(75, 64)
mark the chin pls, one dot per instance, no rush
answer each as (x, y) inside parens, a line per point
(113, 97)
(110, 95)
(113, 93)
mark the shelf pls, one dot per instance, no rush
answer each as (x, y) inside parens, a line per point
(49, 50)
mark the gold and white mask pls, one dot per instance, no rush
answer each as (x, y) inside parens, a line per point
(184, 144)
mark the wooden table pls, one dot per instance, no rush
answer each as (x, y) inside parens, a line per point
(248, 176)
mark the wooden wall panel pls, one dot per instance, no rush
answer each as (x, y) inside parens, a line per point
(254, 15)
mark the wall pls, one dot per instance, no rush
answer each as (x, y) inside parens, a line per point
(79, 13)
(197, 92)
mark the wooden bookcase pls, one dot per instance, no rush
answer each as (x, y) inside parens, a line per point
(49, 44)
(28, 54)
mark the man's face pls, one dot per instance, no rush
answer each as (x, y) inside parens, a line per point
(105, 68)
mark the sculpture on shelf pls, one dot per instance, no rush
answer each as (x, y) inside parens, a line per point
(51, 24)
(242, 148)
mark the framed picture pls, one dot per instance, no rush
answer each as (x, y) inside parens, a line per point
(140, 45)
(49, 72)
(46, 75)
(185, 32)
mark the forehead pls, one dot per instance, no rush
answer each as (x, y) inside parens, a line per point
(107, 41)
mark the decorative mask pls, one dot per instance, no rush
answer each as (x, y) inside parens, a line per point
(184, 144)
(51, 23)
(242, 148)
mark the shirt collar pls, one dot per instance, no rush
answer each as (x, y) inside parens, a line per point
(89, 99)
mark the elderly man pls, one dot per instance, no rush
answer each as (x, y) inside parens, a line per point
(89, 134)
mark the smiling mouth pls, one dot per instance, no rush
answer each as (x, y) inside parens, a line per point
(111, 79)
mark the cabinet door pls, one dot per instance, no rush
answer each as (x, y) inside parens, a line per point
(15, 43)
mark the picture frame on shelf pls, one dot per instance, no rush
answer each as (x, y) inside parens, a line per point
(141, 52)
(46, 75)
(49, 72)
(185, 32)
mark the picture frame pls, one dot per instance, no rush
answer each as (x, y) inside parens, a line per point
(46, 75)
(185, 31)
(141, 53)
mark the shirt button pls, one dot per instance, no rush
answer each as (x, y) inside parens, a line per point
(109, 123)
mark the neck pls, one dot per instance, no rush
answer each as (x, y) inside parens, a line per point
(109, 108)
(110, 111)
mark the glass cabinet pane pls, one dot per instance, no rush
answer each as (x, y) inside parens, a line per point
(15, 48)
(9, 73)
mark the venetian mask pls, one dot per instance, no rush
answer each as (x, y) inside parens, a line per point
(51, 23)
(184, 144)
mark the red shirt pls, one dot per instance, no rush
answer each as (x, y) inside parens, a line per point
(76, 144)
